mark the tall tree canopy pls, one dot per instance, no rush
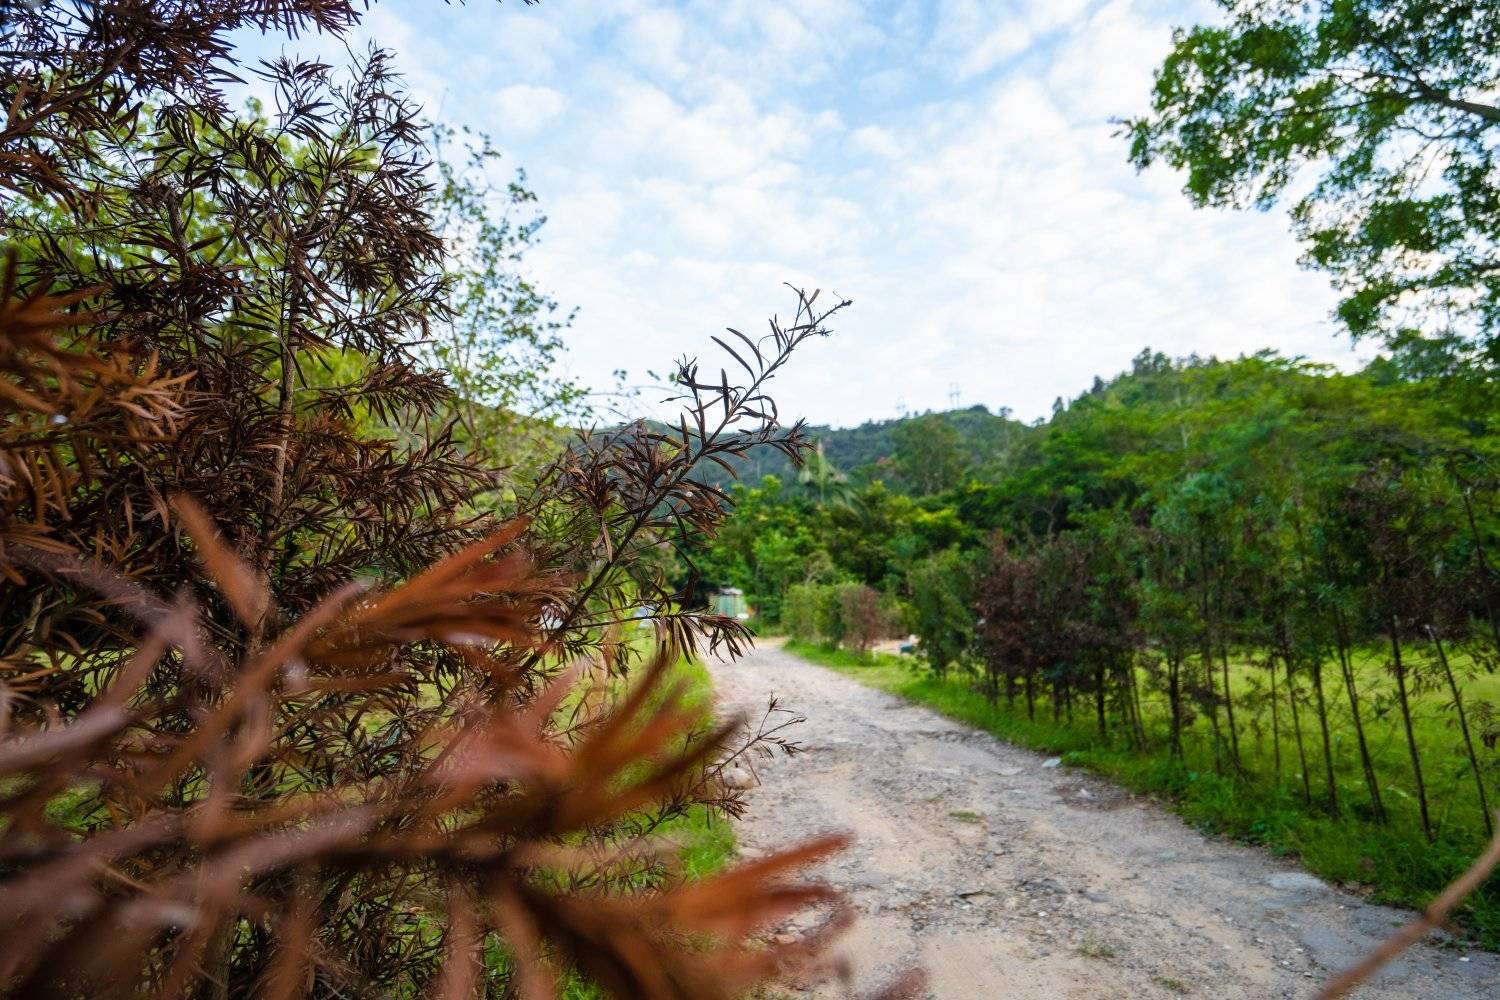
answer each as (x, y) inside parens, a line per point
(1393, 106)
(929, 455)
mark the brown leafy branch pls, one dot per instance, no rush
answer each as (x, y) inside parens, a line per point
(479, 812)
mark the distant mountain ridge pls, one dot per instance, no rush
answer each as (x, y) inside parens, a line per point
(986, 439)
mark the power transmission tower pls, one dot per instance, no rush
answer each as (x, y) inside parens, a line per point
(953, 395)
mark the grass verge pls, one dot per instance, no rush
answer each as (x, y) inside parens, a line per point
(705, 840)
(1393, 863)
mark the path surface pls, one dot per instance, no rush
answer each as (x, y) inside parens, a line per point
(1009, 879)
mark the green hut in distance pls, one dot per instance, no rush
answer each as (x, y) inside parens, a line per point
(730, 602)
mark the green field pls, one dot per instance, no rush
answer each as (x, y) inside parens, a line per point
(1393, 862)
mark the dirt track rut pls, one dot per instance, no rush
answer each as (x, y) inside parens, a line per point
(1006, 878)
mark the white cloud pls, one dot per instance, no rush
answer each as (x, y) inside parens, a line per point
(1099, 69)
(980, 36)
(525, 42)
(948, 164)
(877, 141)
(523, 108)
(652, 40)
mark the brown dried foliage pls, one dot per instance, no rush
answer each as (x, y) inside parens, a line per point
(461, 826)
(226, 769)
(245, 295)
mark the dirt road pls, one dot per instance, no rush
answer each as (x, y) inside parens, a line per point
(1009, 878)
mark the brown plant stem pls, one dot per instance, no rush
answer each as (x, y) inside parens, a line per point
(1404, 699)
(1411, 933)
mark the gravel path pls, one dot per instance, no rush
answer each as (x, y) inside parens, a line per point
(1008, 878)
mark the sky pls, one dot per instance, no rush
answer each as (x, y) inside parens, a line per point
(951, 166)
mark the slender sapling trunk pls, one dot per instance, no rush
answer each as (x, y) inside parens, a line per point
(1411, 735)
(1463, 725)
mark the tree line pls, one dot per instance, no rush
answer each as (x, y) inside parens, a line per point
(1263, 567)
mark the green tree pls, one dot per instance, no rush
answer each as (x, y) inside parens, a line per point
(773, 541)
(1393, 105)
(929, 455)
(942, 603)
(501, 338)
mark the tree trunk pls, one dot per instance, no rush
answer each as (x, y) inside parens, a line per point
(1291, 697)
(1328, 776)
(1211, 704)
(1367, 764)
(1174, 696)
(1463, 725)
(1099, 690)
(1411, 735)
(1275, 723)
(1135, 705)
(1234, 733)
(1207, 655)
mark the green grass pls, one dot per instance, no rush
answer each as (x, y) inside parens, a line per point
(846, 659)
(704, 839)
(1095, 947)
(1394, 862)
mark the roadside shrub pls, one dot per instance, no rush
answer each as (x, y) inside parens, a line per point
(864, 620)
(851, 615)
(828, 614)
(898, 615)
(799, 612)
(941, 599)
(812, 612)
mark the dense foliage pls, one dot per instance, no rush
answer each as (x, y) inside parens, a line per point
(294, 699)
(1392, 105)
(985, 443)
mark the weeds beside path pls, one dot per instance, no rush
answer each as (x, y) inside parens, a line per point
(1008, 877)
(1392, 863)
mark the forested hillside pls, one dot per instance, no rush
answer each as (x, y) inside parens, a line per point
(977, 438)
(1261, 581)
(1252, 424)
